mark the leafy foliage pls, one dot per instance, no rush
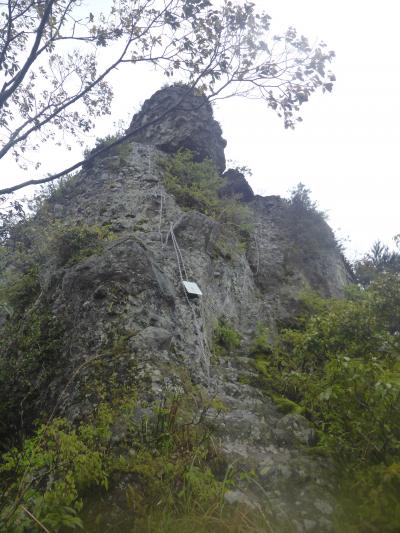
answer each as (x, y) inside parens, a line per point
(195, 185)
(70, 477)
(55, 83)
(341, 365)
(102, 144)
(71, 244)
(29, 354)
(225, 339)
(306, 224)
(44, 236)
(11, 214)
(261, 342)
(18, 292)
(32, 347)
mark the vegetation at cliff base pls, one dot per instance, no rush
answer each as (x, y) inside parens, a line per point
(379, 260)
(339, 364)
(145, 469)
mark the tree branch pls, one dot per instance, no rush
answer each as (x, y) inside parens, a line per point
(15, 139)
(18, 79)
(8, 38)
(102, 150)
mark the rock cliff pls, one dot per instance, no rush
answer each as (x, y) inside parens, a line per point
(125, 300)
(176, 118)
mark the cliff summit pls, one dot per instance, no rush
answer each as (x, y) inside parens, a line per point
(179, 117)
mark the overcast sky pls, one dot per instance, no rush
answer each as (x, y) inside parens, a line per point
(346, 149)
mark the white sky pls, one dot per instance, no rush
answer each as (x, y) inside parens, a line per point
(346, 149)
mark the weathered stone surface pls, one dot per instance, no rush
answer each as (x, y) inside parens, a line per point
(292, 249)
(179, 117)
(236, 186)
(131, 293)
(125, 308)
(236, 496)
(294, 428)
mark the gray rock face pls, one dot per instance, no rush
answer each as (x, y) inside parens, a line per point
(125, 305)
(236, 186)
(127, 302)
(293, 249)
(179, 117)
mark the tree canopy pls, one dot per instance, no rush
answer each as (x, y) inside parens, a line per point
(56, 57)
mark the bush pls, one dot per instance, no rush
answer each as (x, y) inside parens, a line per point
(341, 365)
(70, 244)
(379, 260)
(261, 343)
(226, 339)
(306, 224)
(19, 291)
(63, 472)
(30, 357)
(103, 142)
(196, 186)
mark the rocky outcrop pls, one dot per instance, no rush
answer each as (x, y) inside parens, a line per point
(125, 308)
(179, 117)
(236, 186)
(292, 248)
(132, 291)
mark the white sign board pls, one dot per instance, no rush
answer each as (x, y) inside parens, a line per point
(192, 288)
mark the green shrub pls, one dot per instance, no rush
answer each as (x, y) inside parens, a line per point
(287, 406)
(30, 352)
(261, 343)
(63, 472)
(225, 339)
(19, 291)
(341, 365)
(379, 260)
(306, 225)
(121, 149)
(49, 474)
(30, 357)
(196, 185)
(71, 244)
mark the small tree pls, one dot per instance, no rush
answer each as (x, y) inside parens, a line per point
(300, 199)
(53, 83)
(379, 260)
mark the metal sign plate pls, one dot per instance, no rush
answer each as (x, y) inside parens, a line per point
(192, 288)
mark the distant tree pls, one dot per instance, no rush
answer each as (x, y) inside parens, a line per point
(379, 260)
(54, 72)
(300, 199)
